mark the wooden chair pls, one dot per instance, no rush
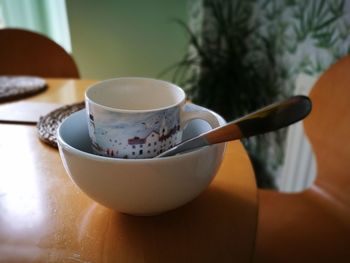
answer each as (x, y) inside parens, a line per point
(314, 225)
(24, 52)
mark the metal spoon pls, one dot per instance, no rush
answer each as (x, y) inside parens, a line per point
(270, 118)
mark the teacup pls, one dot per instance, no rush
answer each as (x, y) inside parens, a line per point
(138, 117)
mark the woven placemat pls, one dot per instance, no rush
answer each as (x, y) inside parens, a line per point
(48, 124)
(17, 87)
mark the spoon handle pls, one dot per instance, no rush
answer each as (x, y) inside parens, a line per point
(270, 118)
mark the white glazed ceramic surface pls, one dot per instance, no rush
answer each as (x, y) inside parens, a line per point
(135, 118)
(138, 186)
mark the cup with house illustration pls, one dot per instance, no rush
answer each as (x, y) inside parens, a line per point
(136, 118)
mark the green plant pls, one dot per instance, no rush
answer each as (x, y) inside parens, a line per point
(248, 54)
(226, 72)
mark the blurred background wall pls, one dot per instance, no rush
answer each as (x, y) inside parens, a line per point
(108, 38)
(126, 37)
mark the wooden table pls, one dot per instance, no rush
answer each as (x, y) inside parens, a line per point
(44, 217)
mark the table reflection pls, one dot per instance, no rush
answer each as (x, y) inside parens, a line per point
(20, 200)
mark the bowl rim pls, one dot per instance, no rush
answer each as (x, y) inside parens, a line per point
(63, 144)
(66, 146)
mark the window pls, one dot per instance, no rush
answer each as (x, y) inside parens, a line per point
(2, 22)
(45, 17)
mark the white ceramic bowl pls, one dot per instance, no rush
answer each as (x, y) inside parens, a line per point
(137, 186)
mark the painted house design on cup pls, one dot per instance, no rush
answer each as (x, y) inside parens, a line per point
(144, 138)
(153, 144)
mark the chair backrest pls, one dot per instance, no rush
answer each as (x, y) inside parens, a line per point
(328, 128)
(24, 52)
